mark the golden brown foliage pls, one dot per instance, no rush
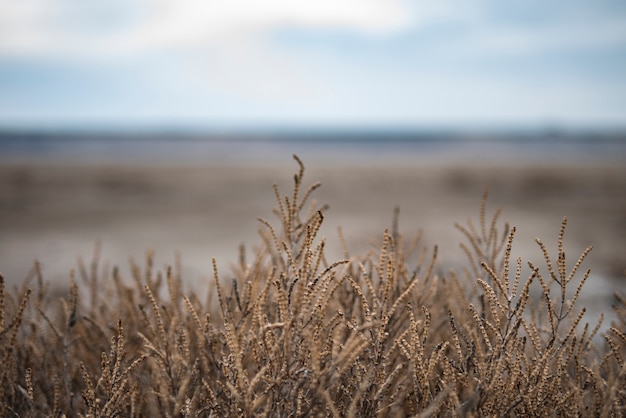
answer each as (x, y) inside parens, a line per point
(294, 334)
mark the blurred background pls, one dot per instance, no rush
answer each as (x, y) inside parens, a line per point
(163, 124)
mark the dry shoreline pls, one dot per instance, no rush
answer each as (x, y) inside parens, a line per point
(53, 211)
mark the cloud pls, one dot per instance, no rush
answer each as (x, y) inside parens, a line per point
(521, 40)
(76, 26)
(99, 28)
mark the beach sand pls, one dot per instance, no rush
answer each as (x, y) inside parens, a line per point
(54, 211)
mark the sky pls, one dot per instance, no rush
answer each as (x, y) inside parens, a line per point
(325, 63)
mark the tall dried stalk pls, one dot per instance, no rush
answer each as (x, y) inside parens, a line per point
(296, 334)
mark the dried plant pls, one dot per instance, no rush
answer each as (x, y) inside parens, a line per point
(295, 334)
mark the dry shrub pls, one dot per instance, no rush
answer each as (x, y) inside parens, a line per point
(294, 334)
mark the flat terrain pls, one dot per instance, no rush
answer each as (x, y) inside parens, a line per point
(55, 211)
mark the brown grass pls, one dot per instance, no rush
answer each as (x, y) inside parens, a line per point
(294, 334)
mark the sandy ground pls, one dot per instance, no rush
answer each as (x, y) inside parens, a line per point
(54, 211)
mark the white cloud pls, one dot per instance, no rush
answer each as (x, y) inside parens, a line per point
(514, 40)
(30, 27)
(77, 26)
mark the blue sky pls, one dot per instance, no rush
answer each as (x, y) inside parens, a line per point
(256, 63)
